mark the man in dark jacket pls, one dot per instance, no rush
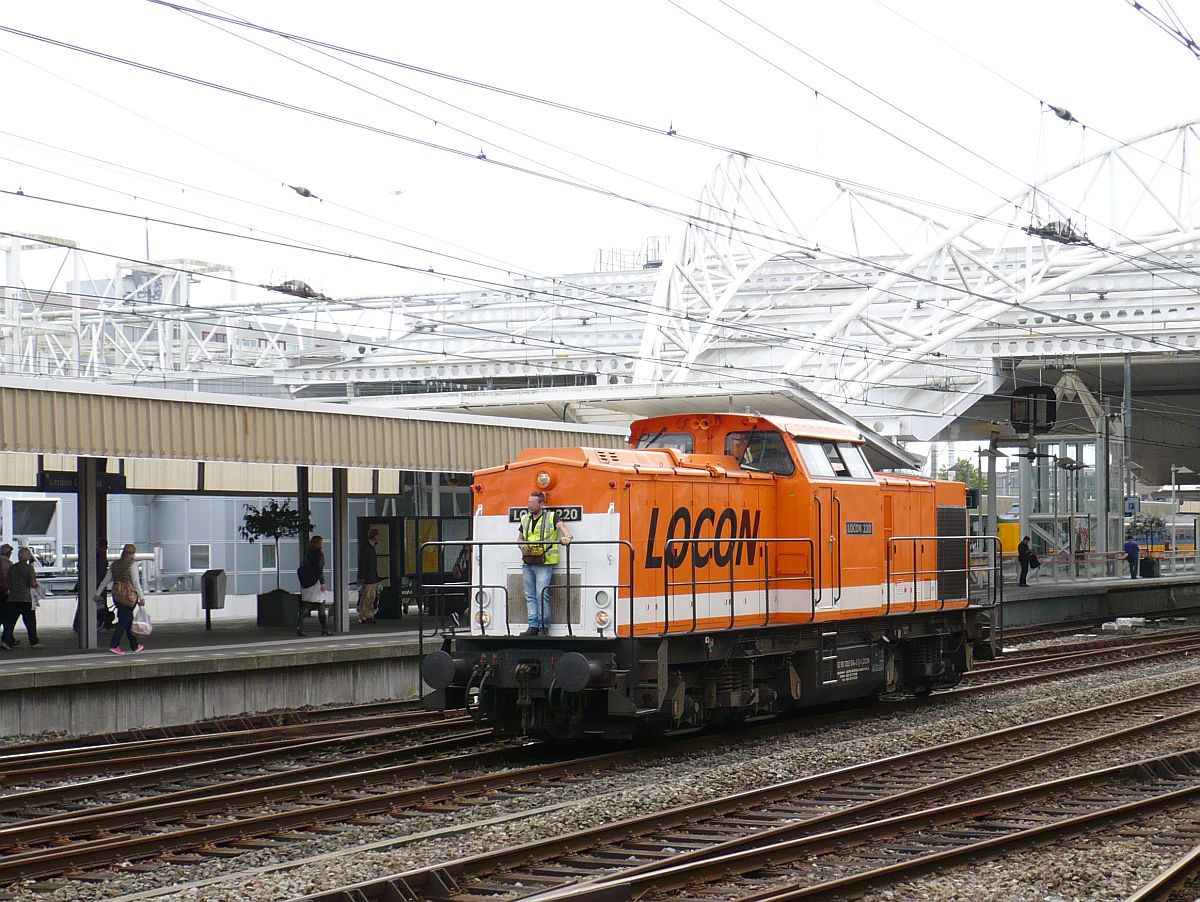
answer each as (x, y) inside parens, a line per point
(1132, 554)
(368, 575)
(1024, 553)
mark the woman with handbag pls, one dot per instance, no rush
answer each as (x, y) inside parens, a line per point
(122, 578)
(312, 586)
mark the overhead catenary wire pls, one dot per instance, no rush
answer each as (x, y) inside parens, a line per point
(1059, 111)
(769, 340)
(1172, 25)
(501, 337)
(994, 299)
(770, 379)
(385, 132)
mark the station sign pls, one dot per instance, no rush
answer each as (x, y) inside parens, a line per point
(68, 481)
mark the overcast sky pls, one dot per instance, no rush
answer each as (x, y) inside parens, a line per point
(650, 61)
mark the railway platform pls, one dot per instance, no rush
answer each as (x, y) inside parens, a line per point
(187, 674)
(1056, 601)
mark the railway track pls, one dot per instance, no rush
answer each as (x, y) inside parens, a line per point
(142, 755)
(1086, 643)
(912, 782)
(1174, 882)
(47, 834)
(282, 718)
(847, 861)
(1066, 664)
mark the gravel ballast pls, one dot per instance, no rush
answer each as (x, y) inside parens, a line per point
(658, 783)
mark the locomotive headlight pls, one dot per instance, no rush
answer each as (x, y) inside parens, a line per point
(482, 599)
(544, 479)
(602, 599)
(483, 618)
(602, 619)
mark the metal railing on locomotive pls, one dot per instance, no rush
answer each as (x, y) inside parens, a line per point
(731, 582)
(478, 601)
(993, 585)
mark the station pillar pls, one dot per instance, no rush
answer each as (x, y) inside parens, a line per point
(341, 550)
(1025, 492)
(87, 476)
(302, 507)
(992, 523)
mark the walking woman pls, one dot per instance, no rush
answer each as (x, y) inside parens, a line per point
(122, 578)
(22, 580)
(312, 586)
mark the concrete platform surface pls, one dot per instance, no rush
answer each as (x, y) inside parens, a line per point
(1051, 602)
(186, 674)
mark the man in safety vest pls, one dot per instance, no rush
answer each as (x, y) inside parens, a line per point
(539, 533)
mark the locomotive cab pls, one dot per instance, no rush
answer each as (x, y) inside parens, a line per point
(723, 568)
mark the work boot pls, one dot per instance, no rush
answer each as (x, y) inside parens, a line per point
(532, 631)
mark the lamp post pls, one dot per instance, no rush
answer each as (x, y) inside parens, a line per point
(1175, 471)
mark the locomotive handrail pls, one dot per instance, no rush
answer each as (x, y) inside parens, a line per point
(820, 589)
(837, 536)
(765, 581)
(479, 601)
(994, 571)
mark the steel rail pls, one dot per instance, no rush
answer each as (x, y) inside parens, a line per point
(309, 776)
(1161, 887)
(26, 863)
(1054, 657)
(248, 794)
(1163, 774)
(635, 834)
(984, 684)
(57, 794)
(1053, 652)
(57, 761)
(20, 863)
(282, 718)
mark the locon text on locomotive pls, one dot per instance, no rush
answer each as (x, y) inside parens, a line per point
(725, 526)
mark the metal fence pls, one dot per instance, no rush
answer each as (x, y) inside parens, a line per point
(1081, 566)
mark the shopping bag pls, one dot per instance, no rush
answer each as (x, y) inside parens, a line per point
(142, 624)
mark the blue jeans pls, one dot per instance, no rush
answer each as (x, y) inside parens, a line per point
(535, 581)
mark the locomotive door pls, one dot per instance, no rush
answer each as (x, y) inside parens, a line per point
(827, 536)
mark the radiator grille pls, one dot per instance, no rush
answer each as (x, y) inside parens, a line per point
(952, 553)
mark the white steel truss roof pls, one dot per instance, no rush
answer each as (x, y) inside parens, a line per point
(902, 317)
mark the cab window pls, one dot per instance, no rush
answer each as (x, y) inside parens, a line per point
(815, 459)
(855, 460)
(762, 451)
(833, 460)
(680, 441)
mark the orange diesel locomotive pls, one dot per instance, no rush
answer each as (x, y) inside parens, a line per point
(723, 568)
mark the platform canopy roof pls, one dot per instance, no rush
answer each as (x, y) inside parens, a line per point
(141, 428)
(618, 404)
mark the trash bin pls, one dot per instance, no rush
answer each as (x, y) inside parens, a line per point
(212, 594)
(1150, 567)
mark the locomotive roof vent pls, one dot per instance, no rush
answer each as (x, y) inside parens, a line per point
(607, 457)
